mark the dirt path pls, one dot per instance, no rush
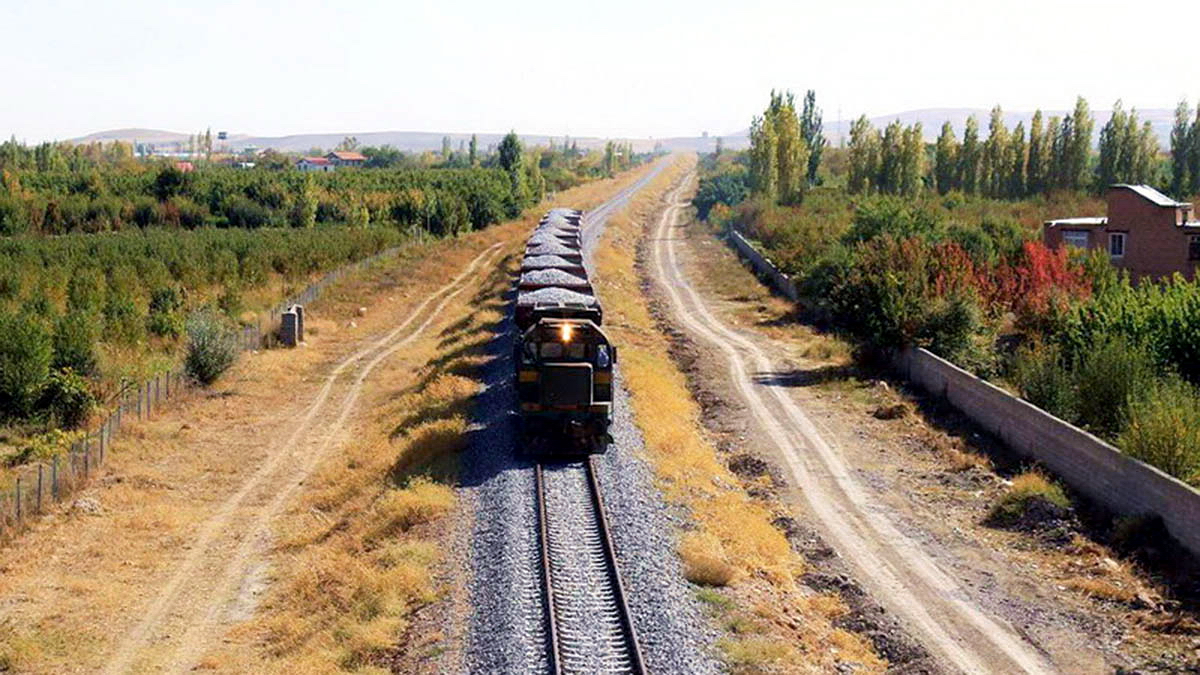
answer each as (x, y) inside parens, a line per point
(898, 573)
(187, 612)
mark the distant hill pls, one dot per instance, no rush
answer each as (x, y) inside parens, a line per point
(410, 141)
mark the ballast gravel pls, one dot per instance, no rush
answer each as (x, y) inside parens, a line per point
(507, 629)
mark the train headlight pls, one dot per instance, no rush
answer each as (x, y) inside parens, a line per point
(565, 330)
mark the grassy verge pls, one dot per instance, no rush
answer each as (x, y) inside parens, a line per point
(742, 565)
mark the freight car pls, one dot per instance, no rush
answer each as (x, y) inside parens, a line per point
(563, 360)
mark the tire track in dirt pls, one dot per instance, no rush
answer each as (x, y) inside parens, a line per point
(193, 571)
(898, 572)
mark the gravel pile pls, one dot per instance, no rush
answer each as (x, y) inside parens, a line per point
(558, 249)
(507, 626)
(550, 295)
(553, 277)
(541, 262)
(552, 239)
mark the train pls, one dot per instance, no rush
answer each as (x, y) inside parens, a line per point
(563, 360)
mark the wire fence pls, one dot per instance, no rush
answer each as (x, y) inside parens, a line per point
(40, 484)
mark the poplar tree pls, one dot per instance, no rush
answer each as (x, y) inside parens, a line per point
(1180, 170)
(945, 160)
(864, 155)
(812, 129)
(1193, 186)
(1114, 143)
(1039, 157)
(912, 165)
(509, 158)
(995, 153)
(446, 149)
(1017, 163)
(762, 158)
(891, 158)
(791, 155)
(969, 157)
(1060, 142)
(1079, 147)
(1145, 164)
(473, 149)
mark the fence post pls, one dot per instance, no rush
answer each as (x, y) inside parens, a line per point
(54, 478)
(100, 433)
(39, 497)
(86, 461)
(18, 498)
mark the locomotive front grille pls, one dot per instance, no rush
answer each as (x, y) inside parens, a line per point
(566, 384)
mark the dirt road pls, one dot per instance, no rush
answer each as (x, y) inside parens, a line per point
(191, 609)
(893, 567)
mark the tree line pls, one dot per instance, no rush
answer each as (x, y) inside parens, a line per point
(786, 147)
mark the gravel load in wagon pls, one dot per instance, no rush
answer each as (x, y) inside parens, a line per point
(556, 296)
(555, 249)
(558, 221)
(560, 302)
(542, 262)
(549, 238)
(535, 279)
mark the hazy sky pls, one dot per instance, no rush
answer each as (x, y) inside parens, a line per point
(616, 68)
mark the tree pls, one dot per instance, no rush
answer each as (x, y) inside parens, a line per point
(1017, 163)
(995, 156)
(912, 165)
(762, 158)
(1194, 155)
(348, 144)
(891, 158)
(791, 155)
(1113, 146)
(447, 149)
(945, 160)
(720, 147)
(969, 157)
(510, 160)
(1079, 145)
(1061, 131)
(473, 157)
(1180, 168)
(864, 154)
(1039, 157)
(812, 129)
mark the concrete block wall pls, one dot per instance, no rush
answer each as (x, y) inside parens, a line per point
(1090, 466)
(765, 268)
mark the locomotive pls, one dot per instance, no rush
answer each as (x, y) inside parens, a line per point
(563, 360)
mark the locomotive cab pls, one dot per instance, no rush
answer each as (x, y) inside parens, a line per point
(564, 383)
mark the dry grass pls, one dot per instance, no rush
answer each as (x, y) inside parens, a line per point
(774, 622)
(1100, 588)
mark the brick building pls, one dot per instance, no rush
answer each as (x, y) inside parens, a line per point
(1145, 232)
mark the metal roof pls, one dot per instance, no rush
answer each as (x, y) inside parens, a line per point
(1150, 194)
(1079, 222)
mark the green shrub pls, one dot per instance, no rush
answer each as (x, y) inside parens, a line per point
(163, 319)
(75, 335)
(1164, 429)
(212, 346)
(122, 321)
(67, 398)
(86, 290)
(243, 212)
(25, 357)
(1040, 373)
(1108, 377)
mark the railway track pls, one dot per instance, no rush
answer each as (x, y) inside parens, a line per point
(589, 627)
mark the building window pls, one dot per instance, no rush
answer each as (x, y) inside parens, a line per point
(1194, 247)
(1116, 244)
(1076, 238)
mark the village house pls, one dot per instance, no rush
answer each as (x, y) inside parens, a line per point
(344, 158)
(314, 164)
(1145, 232)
